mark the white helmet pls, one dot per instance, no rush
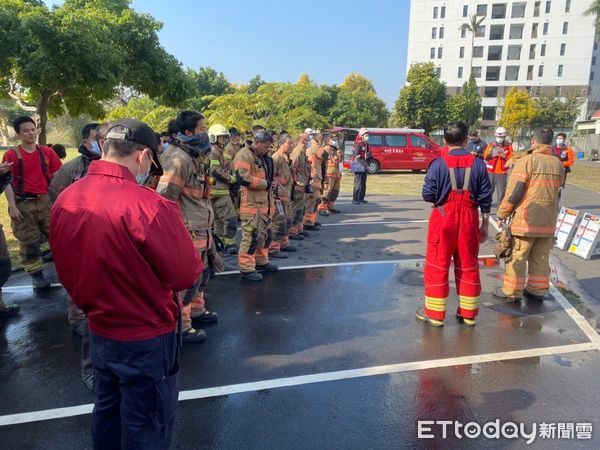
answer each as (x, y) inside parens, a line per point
(501, 132)
(215, 131)
(309, 131)
(362, 132)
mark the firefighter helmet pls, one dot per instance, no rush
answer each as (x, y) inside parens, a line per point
(215, 131)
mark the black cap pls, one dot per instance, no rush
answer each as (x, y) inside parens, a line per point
(135, 131)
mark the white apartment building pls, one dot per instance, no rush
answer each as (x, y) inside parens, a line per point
(539, 45)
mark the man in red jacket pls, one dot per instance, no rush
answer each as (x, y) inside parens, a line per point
(138, 248)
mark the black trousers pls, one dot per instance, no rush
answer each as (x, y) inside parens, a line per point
(136, 388)
(360, 186)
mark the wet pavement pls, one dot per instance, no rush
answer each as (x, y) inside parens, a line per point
(315, 322)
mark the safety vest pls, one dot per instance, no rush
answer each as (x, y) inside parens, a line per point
(496, 164)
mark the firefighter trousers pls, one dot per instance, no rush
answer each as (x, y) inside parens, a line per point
(281, 227)
(225, 219)
(310, 217)
(330, 194)
(256, 239)
(298, 207)
(453, 234)
(33, 231)
(529, 267)
(193, 298)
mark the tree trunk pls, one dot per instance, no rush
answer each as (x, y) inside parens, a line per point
(472, 51)
(42, 117)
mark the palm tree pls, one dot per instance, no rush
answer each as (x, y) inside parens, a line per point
(594, 10)
(471, 26)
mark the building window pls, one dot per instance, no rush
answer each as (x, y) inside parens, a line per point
(480, 32)
(492, 73)
(512, 73)
(543, 50)
(441, 32)
(518, 10)
(565, 27)
(499, 11)
(560, 70)
(536, 9)
(541, 71)
(563, 49)
(438, 72)
(513, 53)
(545, 32)
(494, 53)
(595, 45)
(434, 33)
(490, 92)
(481, 10)
(476, 71)
(557, 91)
(534, 30)
(463, 33)
(435, 12)
(461, 52)
(465, 10)
(460, 72)
(532, 51)
(568, 6)
(443, 12)
(593, 60)
(478, 51)
(529, 73)
(538, 91)
(432, 53)
(440, 49)
(591, 76)
(496, 32)
(548, 7)
(516, 31)
(489, 113)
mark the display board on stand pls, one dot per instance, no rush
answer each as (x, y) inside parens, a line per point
(585, 242)
(566, 224)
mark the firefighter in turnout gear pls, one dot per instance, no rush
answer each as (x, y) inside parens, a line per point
(496, 155)
(254, 171)
(301, 178)
(223, 178)
(282, 220)
(314, 155)
(185, 181)
(333, 177)
(457, 184)
(532, 202)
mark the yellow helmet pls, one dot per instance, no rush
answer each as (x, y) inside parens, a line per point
(215, 131)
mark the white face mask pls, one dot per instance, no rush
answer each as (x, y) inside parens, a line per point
(560, 141)
(499, 140)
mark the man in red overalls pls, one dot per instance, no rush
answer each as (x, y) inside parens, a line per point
(456, 183)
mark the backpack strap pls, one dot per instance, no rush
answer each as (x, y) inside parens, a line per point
(20, 182)
(45, 169)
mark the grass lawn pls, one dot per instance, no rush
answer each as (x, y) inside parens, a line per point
(586, 176)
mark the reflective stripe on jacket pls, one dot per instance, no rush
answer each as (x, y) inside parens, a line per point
(251, 172)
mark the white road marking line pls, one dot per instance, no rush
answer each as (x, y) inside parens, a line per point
(71, 411)
(583, 324)
(391, 222)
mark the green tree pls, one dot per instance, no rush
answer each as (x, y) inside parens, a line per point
(207, 81)
(147, 110)
(518, 112)
(358, 109)
(555, 112)
(471, 27)
(465, 106)
(73, 57)
(594, 10)
(357, 82)
(254, 84)
(422, 102)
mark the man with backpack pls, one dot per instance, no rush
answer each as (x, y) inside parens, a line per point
(33, 167)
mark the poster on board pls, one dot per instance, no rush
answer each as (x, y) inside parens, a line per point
(586, 237)
(566, 224)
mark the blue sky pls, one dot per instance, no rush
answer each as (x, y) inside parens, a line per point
(280, 40)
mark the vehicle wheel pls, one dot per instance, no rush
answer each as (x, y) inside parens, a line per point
(417, 170)
(372, 166)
